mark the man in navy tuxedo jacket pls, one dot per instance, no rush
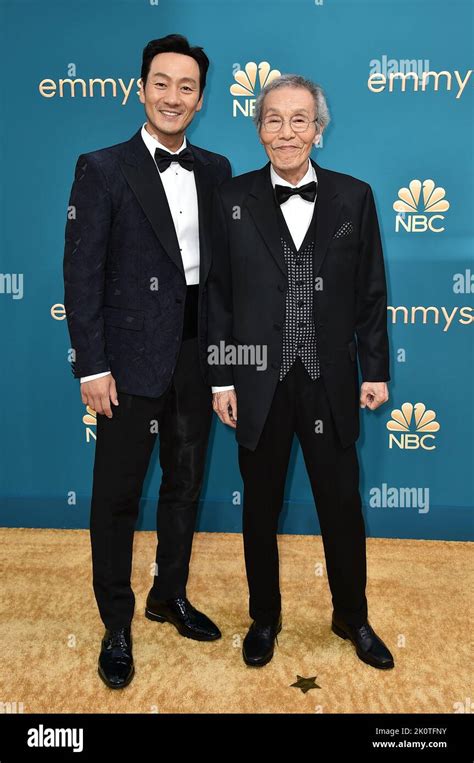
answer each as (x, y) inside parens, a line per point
(135, 271)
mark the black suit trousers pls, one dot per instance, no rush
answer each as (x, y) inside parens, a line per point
(124, 446)
(300, 406)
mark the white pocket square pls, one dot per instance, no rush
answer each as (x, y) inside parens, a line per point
(345, 229)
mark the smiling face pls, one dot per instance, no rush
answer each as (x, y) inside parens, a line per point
(287, 149)
(171, 97)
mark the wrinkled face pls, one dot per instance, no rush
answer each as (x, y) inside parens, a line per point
(171, 94)
(288, 149)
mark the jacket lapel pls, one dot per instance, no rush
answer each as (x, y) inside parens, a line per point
(328, 208)
(144, 179)
(204, 188)
(261, 205)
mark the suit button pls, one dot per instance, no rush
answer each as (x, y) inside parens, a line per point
(277, 326)
(281, 287)
(179, 301)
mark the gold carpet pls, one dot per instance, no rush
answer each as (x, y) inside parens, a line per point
(420, 603)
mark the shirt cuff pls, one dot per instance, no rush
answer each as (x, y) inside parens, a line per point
(94, 376)
(221, 389)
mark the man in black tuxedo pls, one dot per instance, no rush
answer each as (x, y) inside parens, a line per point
(135, 270)
(297, 279)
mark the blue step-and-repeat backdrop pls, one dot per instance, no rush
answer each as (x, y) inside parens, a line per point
(399, 86)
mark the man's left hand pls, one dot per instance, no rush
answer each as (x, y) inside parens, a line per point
(373, 394)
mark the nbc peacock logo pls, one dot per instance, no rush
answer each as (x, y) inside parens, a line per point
(419, 206)
(245, 85)
(90, 420)
(412, 427)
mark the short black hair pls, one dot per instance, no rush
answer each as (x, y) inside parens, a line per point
(175, 43)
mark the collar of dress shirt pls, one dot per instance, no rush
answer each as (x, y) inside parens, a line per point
(307, 178)
(152, 143)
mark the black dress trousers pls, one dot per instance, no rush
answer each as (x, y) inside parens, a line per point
(124, 445)
(300, 406)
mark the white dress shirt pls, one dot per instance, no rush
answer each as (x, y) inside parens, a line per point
(180, 189)
(297, 212)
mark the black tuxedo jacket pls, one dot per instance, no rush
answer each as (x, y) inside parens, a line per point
(248, 281)
(124, 280)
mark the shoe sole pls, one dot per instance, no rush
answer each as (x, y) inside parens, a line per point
(114, 686)
(335, 629)
(267, 660)
(160, 619)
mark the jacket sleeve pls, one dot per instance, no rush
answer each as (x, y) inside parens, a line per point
(219, 299)
(371, 298)
(85, 254)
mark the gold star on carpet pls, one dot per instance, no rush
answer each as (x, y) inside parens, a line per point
(305, 684)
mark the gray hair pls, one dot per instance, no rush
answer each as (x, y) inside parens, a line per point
(295, 80)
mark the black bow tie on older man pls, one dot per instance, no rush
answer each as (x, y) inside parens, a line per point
(307, 192)
(164, 158)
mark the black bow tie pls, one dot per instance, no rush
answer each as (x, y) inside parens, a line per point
(164, 158)
(307, 192)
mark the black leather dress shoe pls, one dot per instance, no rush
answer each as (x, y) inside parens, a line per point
(181, 613)
(369, 647)
(259, 643)
(115, 660)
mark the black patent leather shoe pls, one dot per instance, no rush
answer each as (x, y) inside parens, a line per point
(259, 643)
(115, 660)
(186, 619)
(369, 647)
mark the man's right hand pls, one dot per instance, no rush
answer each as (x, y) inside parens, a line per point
(225, 405)
(99, 393)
